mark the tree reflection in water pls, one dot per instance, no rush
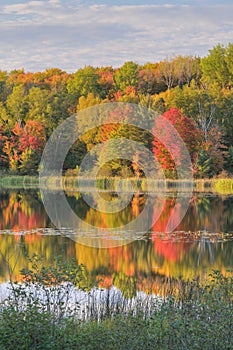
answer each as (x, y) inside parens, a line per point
(156, 263)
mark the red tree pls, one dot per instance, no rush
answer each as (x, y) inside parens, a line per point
(32, 135)
(25, 146)
(172, 153)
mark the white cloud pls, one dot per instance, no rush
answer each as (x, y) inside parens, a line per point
(22, 9)
(71, 34)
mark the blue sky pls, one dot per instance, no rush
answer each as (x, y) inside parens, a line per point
(71, 33)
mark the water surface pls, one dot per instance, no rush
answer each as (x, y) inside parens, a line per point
(152, 262)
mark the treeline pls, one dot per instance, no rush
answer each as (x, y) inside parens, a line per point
(194, 94)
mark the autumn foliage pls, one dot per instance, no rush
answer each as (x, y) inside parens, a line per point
(194, 95)
(25, 145)
(170, 152)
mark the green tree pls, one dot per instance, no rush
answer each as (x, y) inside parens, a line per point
(84, 81)
(3, 80)
(229, 62)
(88, 101)
(229, 160)
(122, 133)
(37, 101)
(201, 104)
(3, 157)
(17, 105)
(203, 165)
(226, 107)
(57, 109)
(127, 75)
(75, 155)
(215, 67)
(3, 114)
(29, 161)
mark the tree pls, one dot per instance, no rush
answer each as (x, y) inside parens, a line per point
(129, 96)
(215, 151)
(186, 68)
(225, 106)
(17, 105)
(215, 67)
(122, 133)
(167, 73)
(12, 155)
(25, 146)
(188, 132)
(15, 77)
(3, 80)
(229, 160)
(55, 78)
(3, 115)
(126, 76)
(84, 81)
(105, 80)
(199, 103)
(29, 161)
(57, 109)
(229, 62)
(32, 136)
(91, 137)
(88, 101)
(149, 80)
(37, 101)
(3, 158)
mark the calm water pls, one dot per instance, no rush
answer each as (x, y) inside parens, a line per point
(152, 263)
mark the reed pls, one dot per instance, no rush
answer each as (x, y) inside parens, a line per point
(224, 186)
(16, 181)
(118, 184)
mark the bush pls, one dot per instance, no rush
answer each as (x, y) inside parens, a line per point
(200, 318)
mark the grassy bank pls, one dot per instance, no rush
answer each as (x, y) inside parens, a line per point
(16, 181)
(201, 319)
(223, 186)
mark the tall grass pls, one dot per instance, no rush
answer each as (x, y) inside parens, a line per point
(222, 186)
(202, 318)
(15, 181)
(127, 184)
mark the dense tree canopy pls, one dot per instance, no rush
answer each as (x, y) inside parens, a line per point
(197, 93)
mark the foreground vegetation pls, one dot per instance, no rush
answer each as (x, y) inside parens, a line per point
(201, 317)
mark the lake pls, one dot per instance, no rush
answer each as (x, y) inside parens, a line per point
(152, 262)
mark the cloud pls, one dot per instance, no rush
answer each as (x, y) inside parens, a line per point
(69, 34)
(23, 9)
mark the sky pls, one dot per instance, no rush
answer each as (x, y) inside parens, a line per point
(69, 34)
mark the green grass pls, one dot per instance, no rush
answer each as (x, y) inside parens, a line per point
(222, 186)
(16, 181)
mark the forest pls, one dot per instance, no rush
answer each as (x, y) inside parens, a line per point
(194, 94)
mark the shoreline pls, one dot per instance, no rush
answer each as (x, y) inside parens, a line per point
(115, 184)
